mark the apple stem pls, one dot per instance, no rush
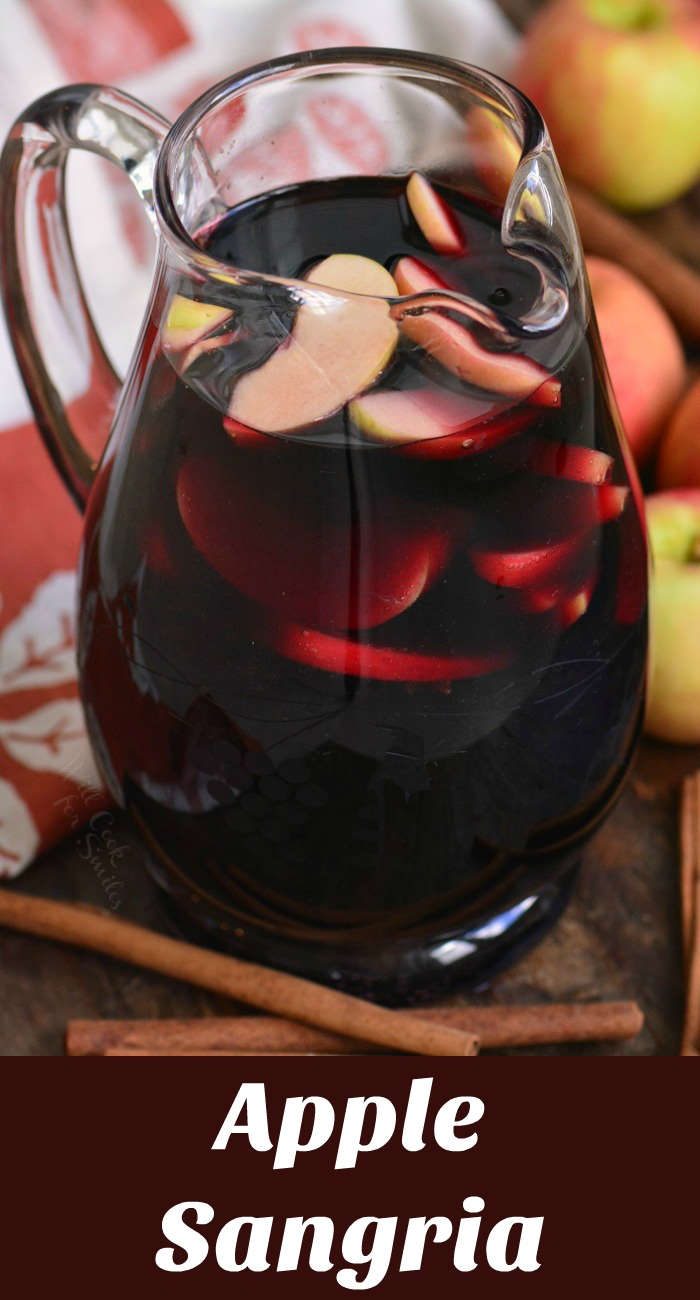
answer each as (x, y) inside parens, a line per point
(695, 551)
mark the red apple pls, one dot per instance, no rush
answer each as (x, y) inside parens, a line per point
(642, 350)
(271, 537)
(673, 710)
(618, 84)
(678, 464)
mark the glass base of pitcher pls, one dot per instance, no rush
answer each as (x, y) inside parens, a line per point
(399, 973)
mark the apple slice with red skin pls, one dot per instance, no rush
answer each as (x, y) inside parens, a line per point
(513, 375)
(569, 461)
(564, 592)
(569, 609)
(188, 321)
(576, 605)
(523, 566)
(202, 346)
(337, 347)
(479, 438)
(244, 436)
(432, 423)
(280, 549)
(334, 654)
(538, 536)
(433, 216)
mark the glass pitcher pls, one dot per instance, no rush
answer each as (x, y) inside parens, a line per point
(362, 619)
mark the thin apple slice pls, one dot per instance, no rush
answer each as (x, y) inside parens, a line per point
(414, 414)
(569, 461)
(333, 654)
(188, 321)
(526, 566)
(562, 590)
(576, 604)
(206, 345)
(611, 502)
(337, 347)
(538, 535)
(508, 373)
(433, 216)
(435, 424)
(244, 436)
(479, 438)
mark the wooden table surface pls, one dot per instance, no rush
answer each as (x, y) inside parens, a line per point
(619, 938)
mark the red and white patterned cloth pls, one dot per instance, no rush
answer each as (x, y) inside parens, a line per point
(165, 52)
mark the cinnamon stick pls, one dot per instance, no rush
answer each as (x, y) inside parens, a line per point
(496, 1026)
(607, 234)
(690, 858)
(690, 910)
(259, 986)
(143, 1051)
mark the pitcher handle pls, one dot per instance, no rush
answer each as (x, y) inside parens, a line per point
(50, 325)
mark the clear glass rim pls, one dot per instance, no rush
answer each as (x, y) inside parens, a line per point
(312, 63)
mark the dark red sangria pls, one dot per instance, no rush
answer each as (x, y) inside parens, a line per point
(363, 619)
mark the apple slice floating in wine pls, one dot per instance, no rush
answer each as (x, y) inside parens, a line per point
(188, 321)
(337, 347)
(508, 373)
(569, 461)
(433, 216)
(435, 424)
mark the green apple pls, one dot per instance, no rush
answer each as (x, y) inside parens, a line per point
(673, 710)
(618, 84)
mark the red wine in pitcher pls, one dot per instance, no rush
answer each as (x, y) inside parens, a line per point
(369, 646)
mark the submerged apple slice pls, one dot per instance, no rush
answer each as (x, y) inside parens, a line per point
(563, 590)
(413, 414)
(611, 502)
(276, 539)
(187, 322)
(575, 605)
(337, 347)
(508, 373)
(538, 536)
(526, 566)
(244, 436)
(435, 424)
(569, 461)
(205, 345)
(334, 654)
(433, 216)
